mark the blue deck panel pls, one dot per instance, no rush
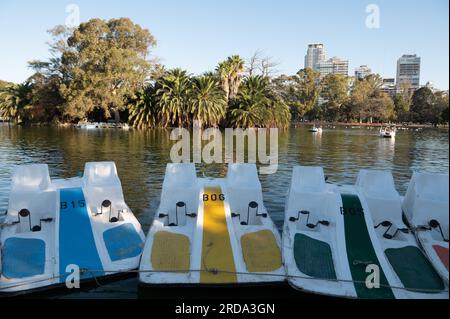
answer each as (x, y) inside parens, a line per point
(23, 257)
(123, 242)
(76, 238)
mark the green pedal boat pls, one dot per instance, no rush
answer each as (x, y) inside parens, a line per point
(350, 240)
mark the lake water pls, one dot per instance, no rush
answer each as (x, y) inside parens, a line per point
(141, 157)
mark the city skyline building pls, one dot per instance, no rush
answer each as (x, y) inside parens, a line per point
(408, 71)
(314, 55)
(362, 71)
(333, 65)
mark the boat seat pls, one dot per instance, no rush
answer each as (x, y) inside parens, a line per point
(243, 188)
(313, 257)
(31, 190)
(308, 179)
(100, 174)
(101, 183)
(414, 269)
(377, 184)
(179, 186)
(23, 257)
(170, 252)
(33, 177)
(261, 252)
(122, 242)
(180, 175)
(427, 198)
(242, 176)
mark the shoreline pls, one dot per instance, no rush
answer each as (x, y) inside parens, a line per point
(357, 124)
(293, 124)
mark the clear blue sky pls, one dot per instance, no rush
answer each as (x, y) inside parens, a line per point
(195, 34)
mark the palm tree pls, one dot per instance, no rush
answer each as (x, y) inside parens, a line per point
(248, 109)
(231, 71)
(143, 111)
(15, 100)
(280, 114)
(172, 96)
(208, 101)
(257, 105)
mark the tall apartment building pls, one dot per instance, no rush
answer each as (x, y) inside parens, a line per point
(333, 66)
(408, 70)
(362, 71)
(314, 55)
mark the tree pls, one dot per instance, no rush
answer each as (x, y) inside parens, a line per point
(173, 97)
(379, 107)
(253, 63)
(368, 102)
(402, 102)
(442, 105)
(423, 107)
(143, 110)
(231, 72)
(15, 101)
(46, 100)
(300, 91)
(100, 63)
(334, 92)
(257, 105)
(444, 115)
(207, 103)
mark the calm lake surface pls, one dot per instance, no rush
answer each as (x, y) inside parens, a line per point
(141, 157)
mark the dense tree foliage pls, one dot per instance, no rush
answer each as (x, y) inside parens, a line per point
(367, 102)
(429, 107)
(300, 91)
(15, 101)
(258, 105)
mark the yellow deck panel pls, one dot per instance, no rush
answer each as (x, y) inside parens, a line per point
(170, 252)
(216, 246)
(261, 252)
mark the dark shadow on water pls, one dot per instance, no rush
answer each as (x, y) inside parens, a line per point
(270, 291)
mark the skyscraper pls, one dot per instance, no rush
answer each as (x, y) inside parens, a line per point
(314, 55)
(408, 71)
(362, 72)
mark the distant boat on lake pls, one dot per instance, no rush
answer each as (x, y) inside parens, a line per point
(388, 132)
(99, 125)
(315, 129)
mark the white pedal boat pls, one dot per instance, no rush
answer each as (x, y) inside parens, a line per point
(426, 208)
(52, 225)
(331, 244)
(387, 132)
(211, 231)
(315, 129)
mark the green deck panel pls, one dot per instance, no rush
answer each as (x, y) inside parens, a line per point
(313, 257)
(414, 269)
(360, 249)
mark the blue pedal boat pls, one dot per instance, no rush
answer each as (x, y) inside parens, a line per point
(56, 229)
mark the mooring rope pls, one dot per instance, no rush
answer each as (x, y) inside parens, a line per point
(216, 271)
